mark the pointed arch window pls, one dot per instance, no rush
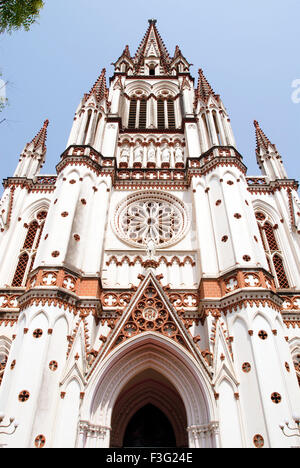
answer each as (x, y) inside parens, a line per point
(205, 127)
(272, 250)
(87, 126)
(132, 114)
(29, 249)
(166, 114)
(160, 114)
(217, 127)
(143, 114)
(171, 114)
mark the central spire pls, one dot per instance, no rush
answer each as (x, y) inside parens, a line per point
(152, 56)
(152, 45)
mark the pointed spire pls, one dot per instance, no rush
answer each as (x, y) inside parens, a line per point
(177, 51)
(126, 51)
(152, 38)
(39, 141)
(99, 90)
(262, 141)
(204, 90)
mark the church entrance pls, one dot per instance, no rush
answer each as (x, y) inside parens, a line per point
(149, 412)
(149, 427)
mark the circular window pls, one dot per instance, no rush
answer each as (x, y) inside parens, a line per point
(154, 216)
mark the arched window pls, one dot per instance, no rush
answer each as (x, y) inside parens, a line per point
(171, 114)
(137, 117)
(205, 128)
(97, 128)
(152, 70)
(143, 114)
(217, 127)
(160, 114)
(132, 114)
(87, 126)
(29, 249)
(272, 250)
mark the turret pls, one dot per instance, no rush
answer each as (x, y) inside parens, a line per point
(33, 156)
(214, 123)
(89, 118)
(268, 158)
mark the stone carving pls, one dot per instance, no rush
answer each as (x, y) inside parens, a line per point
(151, 156)
(165, 157)
(138, 156)
(151, 248)
(179, 162)
(124, 157)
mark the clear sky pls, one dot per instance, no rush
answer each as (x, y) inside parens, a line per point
(248, 49)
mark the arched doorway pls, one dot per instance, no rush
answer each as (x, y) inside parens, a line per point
(149, 412)
(136, 373)
(149, 427)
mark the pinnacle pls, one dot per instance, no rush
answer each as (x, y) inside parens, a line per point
(40, 138)
(99, 89)
(126, 51)
(204, 90)
(262, 141)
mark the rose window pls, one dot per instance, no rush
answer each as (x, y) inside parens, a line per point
(155, 216)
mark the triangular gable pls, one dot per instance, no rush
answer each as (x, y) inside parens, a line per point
(151, 50)
(151, 311)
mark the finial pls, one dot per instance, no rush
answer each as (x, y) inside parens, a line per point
(152, 21)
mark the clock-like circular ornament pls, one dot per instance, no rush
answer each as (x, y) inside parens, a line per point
(155, 216)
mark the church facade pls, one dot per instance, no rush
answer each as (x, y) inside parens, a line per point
(150, 289)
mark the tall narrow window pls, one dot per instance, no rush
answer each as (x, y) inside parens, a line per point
(29, 249)
(20, 271)
(279, 268)
(132, 113)
(217, 127)
(205, 128)
(97, 128)
(160, 114)
(272, 250)
(143, 114)
(171, 114)
(87, 127)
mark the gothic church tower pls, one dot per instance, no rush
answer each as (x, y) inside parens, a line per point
(150, 279)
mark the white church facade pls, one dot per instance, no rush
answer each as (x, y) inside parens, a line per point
(150, 289)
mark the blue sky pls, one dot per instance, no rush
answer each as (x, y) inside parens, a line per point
(248, 49)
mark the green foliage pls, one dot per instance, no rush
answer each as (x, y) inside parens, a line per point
(17, 14)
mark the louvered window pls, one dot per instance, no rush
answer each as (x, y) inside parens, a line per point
(132, 114)
(143, 114)
(160, 114)
(171, 114)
